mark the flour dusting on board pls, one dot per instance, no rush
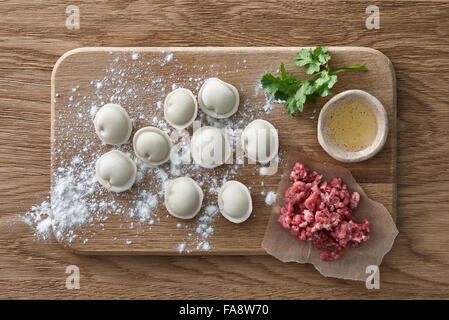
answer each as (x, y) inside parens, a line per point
(77, 199)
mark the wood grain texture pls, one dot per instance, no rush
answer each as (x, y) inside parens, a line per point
(413, 34)
(78, 68)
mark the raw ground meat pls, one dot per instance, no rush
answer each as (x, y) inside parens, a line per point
(322, 213)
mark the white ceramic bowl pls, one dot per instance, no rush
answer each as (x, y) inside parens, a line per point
(382, 126)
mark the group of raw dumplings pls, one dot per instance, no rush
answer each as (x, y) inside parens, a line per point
(183, 196)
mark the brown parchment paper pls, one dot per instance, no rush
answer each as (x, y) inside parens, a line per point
(281, 244)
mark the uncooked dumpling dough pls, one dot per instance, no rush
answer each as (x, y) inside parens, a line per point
(183, 198)
(152, 145)
(234, 201)
(210, 147)
(112, 124)
(180, 108)
(218, 98)
(116, 171)
(260, 141)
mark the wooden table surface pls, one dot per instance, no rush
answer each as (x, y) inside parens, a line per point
(413, 34)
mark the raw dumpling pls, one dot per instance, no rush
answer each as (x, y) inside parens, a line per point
(260, 141)
(183, 198)
(116, 171)
(218, 99)
(234, 201)
(180, 108)
(210, 147)
(112, 124)
(152, 145)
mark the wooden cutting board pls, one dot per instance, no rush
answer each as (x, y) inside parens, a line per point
(97, 74)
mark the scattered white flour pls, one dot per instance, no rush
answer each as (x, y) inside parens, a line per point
(270, 199)
(78, 200)
(269, 103)
(144, 207)
(68, 205)
(181, 247)
(38, 217)
(44, 228)
(135, 56)
(203, 246)
(169, 57)
(205, 228)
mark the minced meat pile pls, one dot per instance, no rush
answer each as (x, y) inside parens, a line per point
(321, 212)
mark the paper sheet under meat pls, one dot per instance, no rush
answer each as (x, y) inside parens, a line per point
(281, 244)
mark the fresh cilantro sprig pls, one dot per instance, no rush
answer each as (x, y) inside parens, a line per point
(294, 92)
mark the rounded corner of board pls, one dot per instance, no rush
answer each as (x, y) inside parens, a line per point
(64, 56)
(384, 57)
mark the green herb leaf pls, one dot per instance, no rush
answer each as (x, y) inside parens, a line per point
(283, 73)
(320, 55)
(324, 84)
(270, 83)
(301, 95)
(313, 60)
(280, 88)
(291, 105)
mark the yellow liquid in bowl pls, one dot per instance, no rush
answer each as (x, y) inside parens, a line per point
(352, 126)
